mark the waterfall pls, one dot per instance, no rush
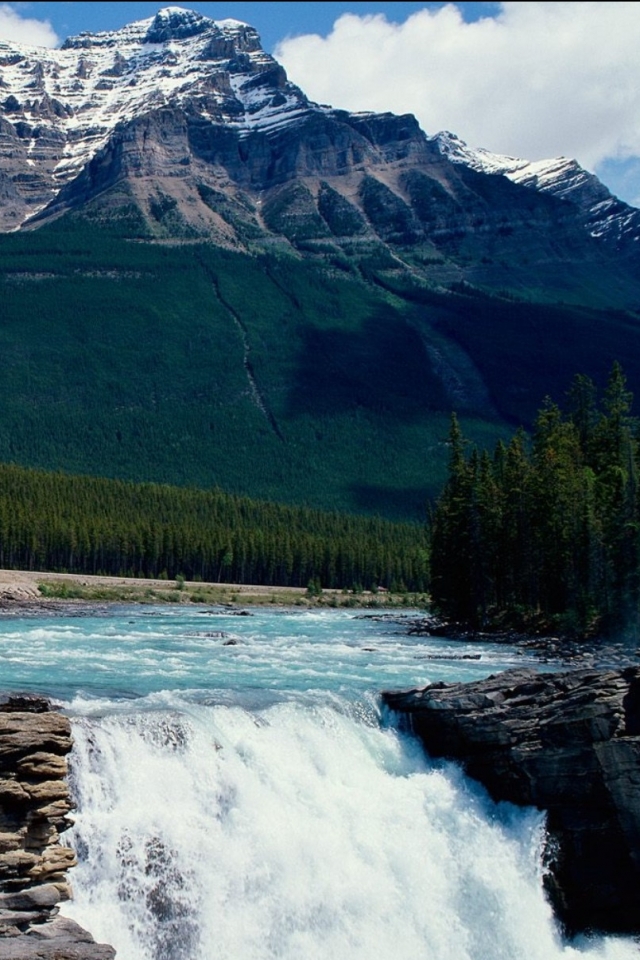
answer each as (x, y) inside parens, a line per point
(299, 830)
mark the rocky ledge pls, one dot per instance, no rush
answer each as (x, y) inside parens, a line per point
(34, 808)
(567, 743)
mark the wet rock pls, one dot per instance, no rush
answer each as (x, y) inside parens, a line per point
(57, 939)
(567, 743)
(32, 898)
(25, 703)
(43, 765)
(34, 806)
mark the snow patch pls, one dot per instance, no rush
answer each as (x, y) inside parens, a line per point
(606, 216)
(101, 80)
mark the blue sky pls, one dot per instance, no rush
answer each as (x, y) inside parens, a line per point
(527, 78)
(274, 21)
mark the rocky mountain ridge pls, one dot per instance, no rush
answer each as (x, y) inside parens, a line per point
(60, 107)
(182, 127)
(606, 216)
(299, 276)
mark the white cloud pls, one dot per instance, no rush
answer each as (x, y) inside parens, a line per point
(35, 33)
(538, 80)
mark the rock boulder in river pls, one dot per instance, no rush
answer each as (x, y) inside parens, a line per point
(34, 804)
(567, 743)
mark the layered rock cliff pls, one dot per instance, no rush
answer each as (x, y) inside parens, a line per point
(34, 808)
(567, 743)
(180, 126)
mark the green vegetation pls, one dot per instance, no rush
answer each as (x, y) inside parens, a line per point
(51, 521)
(131, 360)
(71, 590)
(269, 376)
(149, 592)
(551, 533)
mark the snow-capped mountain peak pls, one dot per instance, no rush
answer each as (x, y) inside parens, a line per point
(59, 107)
(456, 150)
(606, 216)
(179, 104)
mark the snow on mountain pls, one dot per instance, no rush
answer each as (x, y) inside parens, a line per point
(59, 107)
(606, 216)
(75, 119)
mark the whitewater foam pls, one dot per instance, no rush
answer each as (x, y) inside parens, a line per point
(299, 831)
(247, 801)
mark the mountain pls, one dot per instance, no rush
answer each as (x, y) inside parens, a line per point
(64, 109)
(208, 279)
(191, 124)
(605, 216)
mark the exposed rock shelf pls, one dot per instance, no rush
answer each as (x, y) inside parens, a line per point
(567, 743)
(34, 807)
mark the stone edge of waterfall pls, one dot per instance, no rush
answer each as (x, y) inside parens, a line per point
(35, 803)
(567, 743)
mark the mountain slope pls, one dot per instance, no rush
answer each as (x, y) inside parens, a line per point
(267, 375)
(605, 216)
(208, 279)
(63, 105)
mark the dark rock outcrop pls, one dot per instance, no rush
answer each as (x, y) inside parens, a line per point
(34, 808)
(567, 743)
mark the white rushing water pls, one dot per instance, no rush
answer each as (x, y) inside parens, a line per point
(267, 810)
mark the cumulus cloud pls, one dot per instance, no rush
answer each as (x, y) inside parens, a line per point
(536, 80)
(18, 29)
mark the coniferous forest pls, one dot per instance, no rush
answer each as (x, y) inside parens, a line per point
(546, 530)
(77, 524)
(542, 531)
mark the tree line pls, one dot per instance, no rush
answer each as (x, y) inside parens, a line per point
(89, 525)
(546, 529)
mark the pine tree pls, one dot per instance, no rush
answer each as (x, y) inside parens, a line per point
(554, 532)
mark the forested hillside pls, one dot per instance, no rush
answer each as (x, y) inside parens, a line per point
(208, 279)
(326, 383)
(50, 521)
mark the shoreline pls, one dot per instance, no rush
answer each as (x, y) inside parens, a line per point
(32, 590)
(598, 652)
